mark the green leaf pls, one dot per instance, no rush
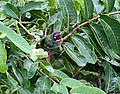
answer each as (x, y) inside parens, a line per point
(59, 22)
(47, 66)
(52, 3)
(18, 40)
(2, 15)
(99, 6)
(85, 48)
(93, 40)
(68, 11)
(31, 6)
(38, 14)
(43, 83)
(86, 90)
(79, 4)
(59, 89)
(3, 58)
(59, 74)
(12, 81)
(12, 11)
(31, 68)
(103, 42)
(109, 5)
(89, 8)
(38, 54)
(68, 66)
(112, 32)
(78, 58)
(71, 83)
(109, 77)
(52, 20)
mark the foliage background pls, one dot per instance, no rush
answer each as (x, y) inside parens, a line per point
(87, 62)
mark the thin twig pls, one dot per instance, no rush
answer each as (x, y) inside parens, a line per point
(27, 31)
(46, 30)
(46, 75)
(77, 71)
(87, 22)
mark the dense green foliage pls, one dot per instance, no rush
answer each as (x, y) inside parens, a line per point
(87, 62)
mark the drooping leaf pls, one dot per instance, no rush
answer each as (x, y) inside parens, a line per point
(75, 56)
(94, 42)
(85, 48)
(18, 40)
(59, 89)
(3, 59)
(12, 11)
(109, 5)
(112, 32)
(109, 78)
(71, 83)
(31, 6)
(68, 11)
(86, 90)
(103, 41)
(89, 8)
(12, 81)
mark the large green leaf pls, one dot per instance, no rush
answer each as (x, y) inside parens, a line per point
(103, 42)
(109, 5)
(93, 40)
(86, 90)
(3, 58)
(75, 56)
(12, 11)
(31, 68)
(59, 89)
(89, 8)
(31, 6)
(85, 48)
(68, 10)
(71, 83)
(12, 81)
(18, 40)
(112, 32)
(43, 84)
(110, 78)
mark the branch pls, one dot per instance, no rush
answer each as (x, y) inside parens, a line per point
(87, 22)
(77, 71)
(27, 31)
